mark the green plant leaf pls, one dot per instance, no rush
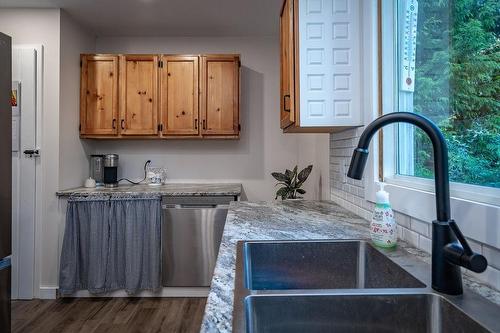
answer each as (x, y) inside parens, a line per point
(304, 174)
(301, 191)
(282, 192)
(293, 183)
(279, 176)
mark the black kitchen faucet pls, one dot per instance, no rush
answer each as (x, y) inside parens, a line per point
(450, 249)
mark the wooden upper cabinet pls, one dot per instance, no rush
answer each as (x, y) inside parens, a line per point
(179, 95)
(287, 91)
(160, 96)
(138, 95)
(220, 93)
(99, 95)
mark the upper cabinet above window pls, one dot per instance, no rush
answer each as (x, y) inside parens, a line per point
(320, 65)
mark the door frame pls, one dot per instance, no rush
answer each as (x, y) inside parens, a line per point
(33, 251)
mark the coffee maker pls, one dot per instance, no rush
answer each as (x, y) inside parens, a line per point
(111, 170)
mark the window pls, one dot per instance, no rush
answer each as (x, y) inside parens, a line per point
(434, 92)
(447, 60)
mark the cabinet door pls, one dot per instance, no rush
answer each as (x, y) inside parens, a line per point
(138, 95)
(329, 81)
(287, 100)
(220, 95)
(99, 95)
(179, 95)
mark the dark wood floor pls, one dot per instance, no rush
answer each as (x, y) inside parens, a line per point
(122, 315)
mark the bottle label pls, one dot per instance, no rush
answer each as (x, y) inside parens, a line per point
(383, 227)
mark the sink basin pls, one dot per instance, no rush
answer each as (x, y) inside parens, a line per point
(280, 265)
(356, 313)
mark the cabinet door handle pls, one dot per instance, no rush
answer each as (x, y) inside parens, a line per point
(196, 124)
(122, 124)
(284, 103)
(114, 124)
(204, 124)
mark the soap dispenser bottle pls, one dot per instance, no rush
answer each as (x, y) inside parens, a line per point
(383, 226)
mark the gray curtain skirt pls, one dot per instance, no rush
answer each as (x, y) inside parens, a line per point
(111, 243)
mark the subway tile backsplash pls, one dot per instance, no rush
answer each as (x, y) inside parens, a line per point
(349, 193)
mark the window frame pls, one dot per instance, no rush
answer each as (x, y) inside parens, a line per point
(476, 208)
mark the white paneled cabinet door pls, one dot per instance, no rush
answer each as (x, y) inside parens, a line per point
(330, 62)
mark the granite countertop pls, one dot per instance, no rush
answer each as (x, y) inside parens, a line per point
(169, 189)
(289, 220)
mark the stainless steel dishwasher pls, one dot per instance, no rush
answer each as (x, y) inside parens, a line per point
(191, 234)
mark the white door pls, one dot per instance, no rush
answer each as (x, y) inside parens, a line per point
(24, 77)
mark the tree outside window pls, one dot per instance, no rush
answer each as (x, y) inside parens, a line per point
(457, 85)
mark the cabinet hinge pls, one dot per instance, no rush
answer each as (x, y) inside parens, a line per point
(239, 63)
(81, 63)
(80, 127)
(160, 63)
(160, 127)
(239, 127)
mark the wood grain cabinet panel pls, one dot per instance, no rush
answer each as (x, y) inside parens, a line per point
(99, 95)
(138, 95)
(287, 91)
(179, 95)
(160, 96)
(220, 91)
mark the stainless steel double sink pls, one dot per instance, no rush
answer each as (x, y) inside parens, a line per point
(346, 286)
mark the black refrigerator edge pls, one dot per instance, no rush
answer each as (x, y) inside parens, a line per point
(5, 179)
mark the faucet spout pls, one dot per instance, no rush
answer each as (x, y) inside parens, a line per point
(360, 155)
(449, 247)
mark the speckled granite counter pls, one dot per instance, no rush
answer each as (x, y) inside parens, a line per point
(169, 189)
(289, 220)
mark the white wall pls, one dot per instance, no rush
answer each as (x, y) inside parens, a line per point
(313, 148)
(262, 149)
(73, 152)
(41, 26)
(73, 162)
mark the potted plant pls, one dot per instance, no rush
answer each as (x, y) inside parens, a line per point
(291, 182)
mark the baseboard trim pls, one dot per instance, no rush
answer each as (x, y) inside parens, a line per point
(47, 293)
(164, 292)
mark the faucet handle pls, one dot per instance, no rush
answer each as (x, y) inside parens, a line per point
(461, 253)
(476, 263)
(455, 253)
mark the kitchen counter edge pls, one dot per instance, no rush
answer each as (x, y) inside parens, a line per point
(170, 189)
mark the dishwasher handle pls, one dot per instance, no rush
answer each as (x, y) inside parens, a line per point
(194, 206)
(196, 202)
